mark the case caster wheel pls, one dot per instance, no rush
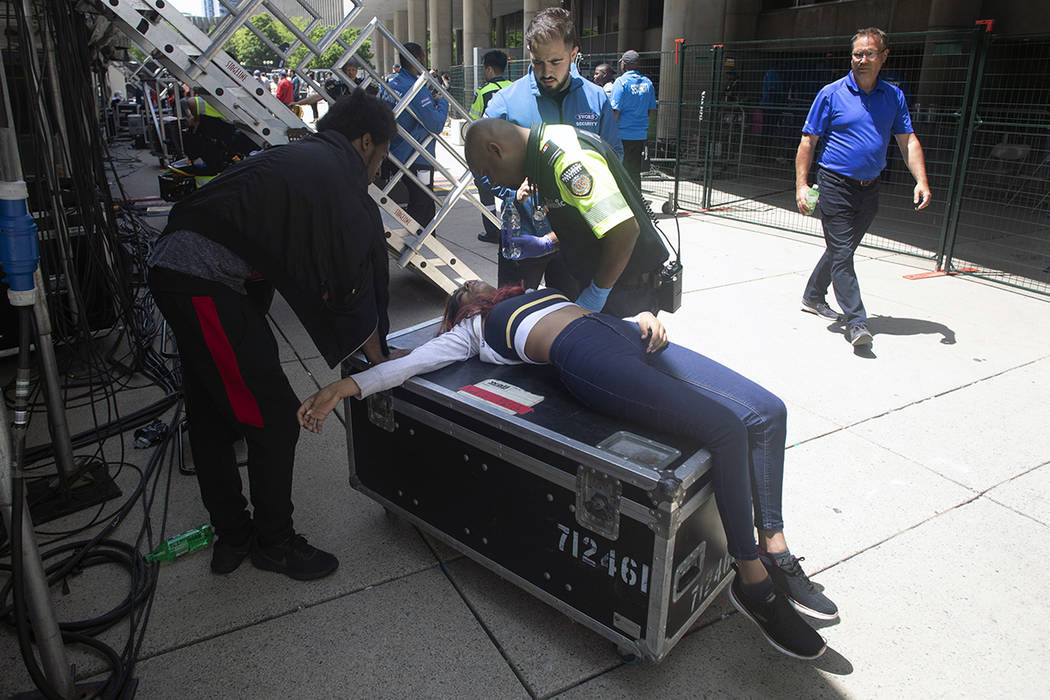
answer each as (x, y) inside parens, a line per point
(627, 655)
(667, 207)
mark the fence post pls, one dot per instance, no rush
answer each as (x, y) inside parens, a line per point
(964, 144)
(711, 117)
(680, 57)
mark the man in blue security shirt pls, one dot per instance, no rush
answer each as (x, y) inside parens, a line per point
(552, 92)
(853, 119)
(633, 101)
(431, 112)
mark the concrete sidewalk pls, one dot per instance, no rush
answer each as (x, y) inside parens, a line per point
(917, 483)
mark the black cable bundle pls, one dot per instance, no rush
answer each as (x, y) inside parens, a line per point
(110, 253)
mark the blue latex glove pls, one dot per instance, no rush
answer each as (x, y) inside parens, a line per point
(535, 246)
(593, 298)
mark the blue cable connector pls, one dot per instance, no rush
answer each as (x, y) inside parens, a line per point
(19, 254)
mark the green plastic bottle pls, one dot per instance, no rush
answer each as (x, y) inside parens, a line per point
(812, 197)
(189, 541)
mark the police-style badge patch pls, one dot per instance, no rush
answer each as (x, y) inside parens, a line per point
(577, 179)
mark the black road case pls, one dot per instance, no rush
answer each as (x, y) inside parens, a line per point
(613, 524)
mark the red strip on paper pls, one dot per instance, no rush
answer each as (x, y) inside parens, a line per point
(496, 399)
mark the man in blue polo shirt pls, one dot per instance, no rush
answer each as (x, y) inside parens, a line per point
(634, 103)
(853, 119)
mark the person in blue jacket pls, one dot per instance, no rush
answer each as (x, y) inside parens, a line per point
(432, 111)
(552, 92)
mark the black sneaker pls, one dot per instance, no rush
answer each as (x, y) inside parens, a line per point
(821, 309)
(789, 578)
(226, 556)
(487, 237)
(859, 335)
(294, 558)
(780, 624)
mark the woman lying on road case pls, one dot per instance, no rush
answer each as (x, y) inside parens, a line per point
(629, 369)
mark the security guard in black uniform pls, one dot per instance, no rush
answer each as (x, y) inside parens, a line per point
(606, 234)
(495, 63)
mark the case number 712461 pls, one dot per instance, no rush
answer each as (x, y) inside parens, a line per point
(586, 549)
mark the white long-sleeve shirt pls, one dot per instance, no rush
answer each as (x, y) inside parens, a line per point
(464, 341)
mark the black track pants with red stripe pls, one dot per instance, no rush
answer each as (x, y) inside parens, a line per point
(234, 387)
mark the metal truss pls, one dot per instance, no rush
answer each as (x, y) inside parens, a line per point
(200, 61)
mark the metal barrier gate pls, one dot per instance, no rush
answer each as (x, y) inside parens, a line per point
(979, 107)
(161, 31)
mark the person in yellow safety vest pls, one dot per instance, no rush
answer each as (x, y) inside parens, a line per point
(495, 63)
(612, 250)
(211, 143)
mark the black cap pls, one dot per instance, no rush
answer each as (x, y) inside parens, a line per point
(630, 57)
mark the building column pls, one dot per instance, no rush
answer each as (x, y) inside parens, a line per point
(699, 22)
(632, 19)
(440, 16)
(386, 55)
(401, 25)
(417, 22)
(477, 27)
(379, 49)
(531, 7)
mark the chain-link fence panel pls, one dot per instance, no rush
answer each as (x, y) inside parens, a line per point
(657, 176)
(1003, 229)
(743, 108)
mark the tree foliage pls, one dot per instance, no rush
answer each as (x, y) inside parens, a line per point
(251, 52)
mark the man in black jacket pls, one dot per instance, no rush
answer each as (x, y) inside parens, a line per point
(300, 218)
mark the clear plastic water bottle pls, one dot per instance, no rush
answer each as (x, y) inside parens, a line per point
(510, 230)
(189, 541)
(812, 197)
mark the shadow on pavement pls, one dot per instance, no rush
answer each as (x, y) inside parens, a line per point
(833, 662)
(889, 325)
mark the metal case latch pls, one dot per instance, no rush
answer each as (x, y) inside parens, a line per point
(598, 502)
(381, 410)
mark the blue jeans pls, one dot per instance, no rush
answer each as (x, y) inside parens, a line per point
(846, 211)
(602, 361)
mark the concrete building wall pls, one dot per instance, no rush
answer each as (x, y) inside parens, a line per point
(840, 18)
